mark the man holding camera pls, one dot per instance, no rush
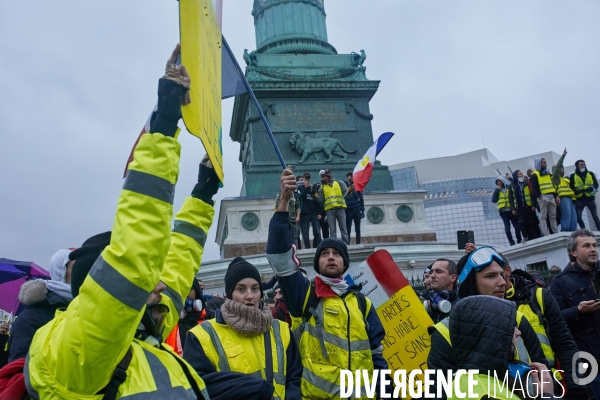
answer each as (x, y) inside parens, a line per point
(443, 291)
(309, 212)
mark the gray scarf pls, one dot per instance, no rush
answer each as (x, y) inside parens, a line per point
(246, 320)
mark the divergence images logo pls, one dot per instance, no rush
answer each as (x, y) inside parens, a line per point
(587, 366)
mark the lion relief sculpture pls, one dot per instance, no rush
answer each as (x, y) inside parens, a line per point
(307, 146)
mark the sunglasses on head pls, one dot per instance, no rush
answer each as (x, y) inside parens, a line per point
(480, 259)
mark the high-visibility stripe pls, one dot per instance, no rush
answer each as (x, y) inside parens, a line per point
(159, 372)
(30, 390)
(522, 354)
(216, 342)
(117, 285)
(178, 392)
(149, 185)
(175, 297)
(191, 230)
(332, 388)
(338, 341)
(279, 375)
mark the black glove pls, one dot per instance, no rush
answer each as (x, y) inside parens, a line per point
(208, 183)
(168, 113)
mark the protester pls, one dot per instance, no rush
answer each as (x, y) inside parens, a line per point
(127, 296)
(544, 191)
(443, 290)
(328, 305)
(281, 311)
(323, 220)
(4, 328)
(523, 204)
(331, 194)
(42, 298)
(294, 214)
(568, 214)
(508, 214)
(485, 337)
(585, 186)
(481, 272)
(355, 209)
(427, 278)
(244, 352)
(212, 306)
(541, 310)
(309, 214)
(191, 314)
(576, 291)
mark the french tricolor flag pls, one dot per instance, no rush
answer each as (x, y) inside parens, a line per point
(364, 168)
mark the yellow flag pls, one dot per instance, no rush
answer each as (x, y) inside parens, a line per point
(200, 38)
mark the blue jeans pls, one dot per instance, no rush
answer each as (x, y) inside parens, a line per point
(568, 215)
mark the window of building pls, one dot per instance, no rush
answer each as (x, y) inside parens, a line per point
(541, 266)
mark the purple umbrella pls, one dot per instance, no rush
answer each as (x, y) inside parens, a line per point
(12, 275)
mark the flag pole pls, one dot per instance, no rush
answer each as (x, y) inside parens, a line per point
(260, 112)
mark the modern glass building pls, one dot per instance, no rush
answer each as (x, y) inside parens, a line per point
(460, 192)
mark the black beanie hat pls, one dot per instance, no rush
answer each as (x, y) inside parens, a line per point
(332, 244)
(85, 257)
(239, 269)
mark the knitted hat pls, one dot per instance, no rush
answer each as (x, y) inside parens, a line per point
(331, 244)
(85, 257)
(239, 269)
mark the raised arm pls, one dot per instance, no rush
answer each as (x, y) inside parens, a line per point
(188, 237)
(101, 321)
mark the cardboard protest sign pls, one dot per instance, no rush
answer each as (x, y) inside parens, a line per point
(200, 37)
(407, 342)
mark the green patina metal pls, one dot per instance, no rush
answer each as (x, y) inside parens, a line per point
(404, 213)
(375, 215)
(250, 221)
(316, 101)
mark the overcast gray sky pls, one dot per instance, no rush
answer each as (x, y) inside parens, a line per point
(78, 80)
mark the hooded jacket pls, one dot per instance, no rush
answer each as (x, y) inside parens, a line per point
(505, 190)
(42, 301)
(516, 196)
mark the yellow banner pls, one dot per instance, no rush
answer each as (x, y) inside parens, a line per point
(200, 38)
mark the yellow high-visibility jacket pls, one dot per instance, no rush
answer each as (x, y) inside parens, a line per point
(75, 355)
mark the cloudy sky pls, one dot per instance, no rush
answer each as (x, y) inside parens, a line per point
(78, 80)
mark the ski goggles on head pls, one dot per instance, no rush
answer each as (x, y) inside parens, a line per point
(480, 259)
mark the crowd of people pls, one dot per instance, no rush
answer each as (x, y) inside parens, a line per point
(324, 206)
(123, 315)
(559, 200)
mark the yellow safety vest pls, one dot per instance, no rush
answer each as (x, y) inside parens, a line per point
(545, 182)
(503, 199)
(482, 389)
(229, 351)
(335, 338)
(75, 355)
(527, 194)
(582, 186)
(334, 198)
(443, 327)
(538, 326)
(564, 189)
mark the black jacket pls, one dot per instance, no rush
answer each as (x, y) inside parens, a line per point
(442, 355)
(556, 328)
(516, 196)
(41, 307)
(308, 201)
(572, 286)
(3, 351)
